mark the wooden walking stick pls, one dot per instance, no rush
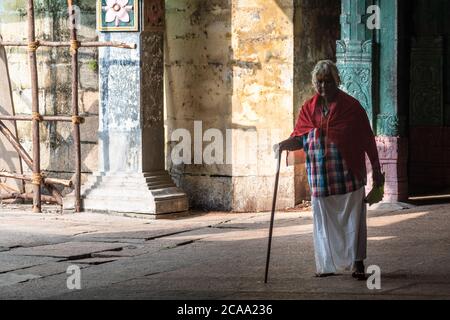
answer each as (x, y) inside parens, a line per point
(274, 201)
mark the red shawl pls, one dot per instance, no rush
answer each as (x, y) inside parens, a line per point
(347, 126)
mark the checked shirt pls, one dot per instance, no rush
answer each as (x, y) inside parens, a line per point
(328, 173)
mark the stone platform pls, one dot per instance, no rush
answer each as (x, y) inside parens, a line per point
(151, 193)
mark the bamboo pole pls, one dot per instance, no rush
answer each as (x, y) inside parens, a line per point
(22, 189)
(9, 189)
(86, 44)
(66, 183)
(27, 196)
(76, 124)
(34, 108)
(26, 158)
(13, 112)
(16, 144)
(23, 117)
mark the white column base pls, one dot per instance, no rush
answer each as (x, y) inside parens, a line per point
(151, 193)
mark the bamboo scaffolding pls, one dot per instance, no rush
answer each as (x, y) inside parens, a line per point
(34, 163)
(76, 124)
(16, 144)
(66, 183)
(23, 117)
(26, 158)
(13, 112)
(27, 196)
(82, 44)
(9, 189)
(34, 108)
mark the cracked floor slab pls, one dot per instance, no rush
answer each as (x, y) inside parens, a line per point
(8, 279)
(10, 262)
(48, 269)
(223, 256)
(69, 250)
(95, 260)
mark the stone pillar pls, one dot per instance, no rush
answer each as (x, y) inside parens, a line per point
(131, 173)
(390, 122)
(354, 53)
(370, 73)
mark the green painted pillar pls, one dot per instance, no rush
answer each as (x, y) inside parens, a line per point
(368, 60)
(390, 122)
(393, 90)
(354, 53)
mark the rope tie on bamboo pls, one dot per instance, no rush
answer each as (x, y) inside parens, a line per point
(36, 116)
(37, 179)
(77, 120)
(33, 46)
(74, 45)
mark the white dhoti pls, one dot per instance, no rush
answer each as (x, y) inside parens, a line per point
(340, 231)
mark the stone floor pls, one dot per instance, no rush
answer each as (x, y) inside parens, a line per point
(214, 256)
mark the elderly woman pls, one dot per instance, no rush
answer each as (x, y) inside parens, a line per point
(335, 134)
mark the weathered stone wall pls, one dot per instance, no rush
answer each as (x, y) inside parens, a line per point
(263, 47)
(239, 66)
(199, 88)
(316, 25)
(230, 65)
(54, 70)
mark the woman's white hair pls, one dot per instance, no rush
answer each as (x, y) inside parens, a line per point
(323, 68)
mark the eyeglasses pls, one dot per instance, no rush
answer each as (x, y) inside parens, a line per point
(327, 82)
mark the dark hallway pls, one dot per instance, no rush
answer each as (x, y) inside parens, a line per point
(429, 105)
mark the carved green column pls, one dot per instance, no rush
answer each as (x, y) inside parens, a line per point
(389, 121)
(354, 53)
(393, 90)
(368, 60)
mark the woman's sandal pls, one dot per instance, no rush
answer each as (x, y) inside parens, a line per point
(360, 276)
(324, 275)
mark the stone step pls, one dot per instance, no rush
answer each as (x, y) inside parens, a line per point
(155, 173)
(160, 186)
(122, 176)
(116, 193)
(134, 187)
(136, 205)
(114, 205)
(158, 179)
(127, 184)
(117, 180)
(147, 193)
(163, 193)
(166, 193)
